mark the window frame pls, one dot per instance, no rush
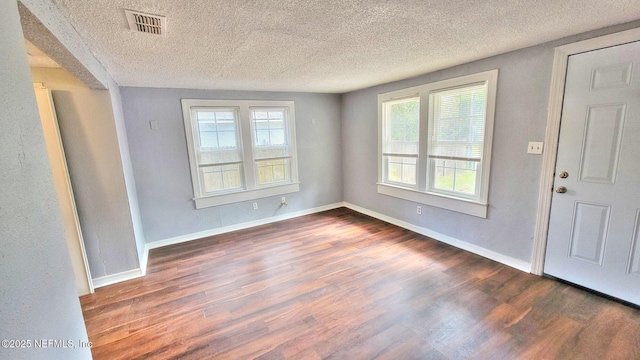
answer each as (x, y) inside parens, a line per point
(386, 156)
(250, 189)
(238, 138)
(287, 129)
(424, 191)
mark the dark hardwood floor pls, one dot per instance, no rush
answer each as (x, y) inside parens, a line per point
(342, 285)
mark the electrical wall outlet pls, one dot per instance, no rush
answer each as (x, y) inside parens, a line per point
(255, 206)
(419, 210)
(535, 147)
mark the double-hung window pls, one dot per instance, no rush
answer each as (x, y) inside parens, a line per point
(400, 141)
(271, 149)
(435, 142)
(218, 149)
(240, 150)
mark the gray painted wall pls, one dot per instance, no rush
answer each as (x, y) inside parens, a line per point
(90, 138)
(521, 111)
(38, 298)
(127, 167)
(161, 164)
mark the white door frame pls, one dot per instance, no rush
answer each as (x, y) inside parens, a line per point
(554, 112)
(60, 172)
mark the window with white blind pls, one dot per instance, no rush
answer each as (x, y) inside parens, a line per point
(240, 150)
(400, 140)
(435, 142)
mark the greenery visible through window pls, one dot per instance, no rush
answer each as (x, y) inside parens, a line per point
(455, 176)
(458, 118)
(401, 140)
(435, 139)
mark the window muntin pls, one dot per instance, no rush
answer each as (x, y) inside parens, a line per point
(217, 128)
(216, 178)
(269, 127)
(452, 176)
(240, 150)
(451, 157)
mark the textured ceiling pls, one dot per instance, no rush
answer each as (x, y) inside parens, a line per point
(37, 58)
(321, 45)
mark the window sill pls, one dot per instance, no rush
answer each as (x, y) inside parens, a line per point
(247, 195)
(459, 205)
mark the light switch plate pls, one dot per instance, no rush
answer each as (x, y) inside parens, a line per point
(535, 147)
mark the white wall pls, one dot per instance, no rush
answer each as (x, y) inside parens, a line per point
(37, 293)
(161, 164)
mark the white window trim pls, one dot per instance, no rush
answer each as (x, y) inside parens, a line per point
(251, 189)
(385, 157)
(421, 194)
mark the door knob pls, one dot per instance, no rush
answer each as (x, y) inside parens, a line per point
(561, 189)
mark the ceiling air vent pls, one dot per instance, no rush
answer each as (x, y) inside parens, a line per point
(146, 23)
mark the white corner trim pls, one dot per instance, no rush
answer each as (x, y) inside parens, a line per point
(503, 259)
(145, 259)
(116, 278)
(554, 114)
(236, 227)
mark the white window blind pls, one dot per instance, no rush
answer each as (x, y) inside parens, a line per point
(458, 117)
(401, 139)
(435, 142)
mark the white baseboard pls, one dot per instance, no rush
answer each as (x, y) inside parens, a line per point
(116, 278)
(242, 226)
(506, 260)
(135, 273)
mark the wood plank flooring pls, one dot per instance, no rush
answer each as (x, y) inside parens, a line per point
(341, 285)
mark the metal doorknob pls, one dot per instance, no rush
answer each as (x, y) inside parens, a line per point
(561, 189)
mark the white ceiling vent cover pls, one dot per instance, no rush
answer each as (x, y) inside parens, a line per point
(146, 23)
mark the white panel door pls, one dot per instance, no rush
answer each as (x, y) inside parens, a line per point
(594, 230)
